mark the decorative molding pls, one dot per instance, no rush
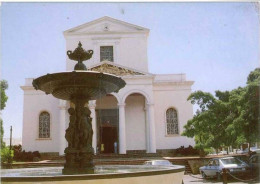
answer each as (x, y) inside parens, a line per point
(121, 104)
(43, 139)
(107, 68)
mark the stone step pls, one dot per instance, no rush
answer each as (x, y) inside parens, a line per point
(113, 156)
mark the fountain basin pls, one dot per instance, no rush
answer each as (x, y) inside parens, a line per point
(112, 174)
(85, 84)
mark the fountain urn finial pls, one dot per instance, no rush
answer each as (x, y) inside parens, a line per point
(80, 55)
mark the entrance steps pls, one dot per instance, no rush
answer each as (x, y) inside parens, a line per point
(113, 156)
(183, 162)
(139, 155)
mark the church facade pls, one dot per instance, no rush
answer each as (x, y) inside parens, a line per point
(147, 115)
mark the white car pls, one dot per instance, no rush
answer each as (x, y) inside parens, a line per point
(232, 164)
(158, 162)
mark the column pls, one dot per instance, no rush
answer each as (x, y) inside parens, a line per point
(62, 127)
(147, 129)
(92, 108)
(152, 145)
(122, 140)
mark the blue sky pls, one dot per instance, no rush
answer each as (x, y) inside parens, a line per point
(215, 44)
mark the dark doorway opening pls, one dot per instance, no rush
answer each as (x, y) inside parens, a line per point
(108, 137)
(107, 126)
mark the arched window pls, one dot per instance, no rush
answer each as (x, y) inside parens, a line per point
(44, 125)
(172, 121)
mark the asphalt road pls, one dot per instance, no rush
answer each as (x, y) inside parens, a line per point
(197, 179)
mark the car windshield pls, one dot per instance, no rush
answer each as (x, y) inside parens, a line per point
(227, 161)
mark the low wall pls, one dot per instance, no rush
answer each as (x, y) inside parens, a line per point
(165, 176)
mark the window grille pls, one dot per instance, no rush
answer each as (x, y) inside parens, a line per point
(172, 121)
(106, 53)
(44, 125)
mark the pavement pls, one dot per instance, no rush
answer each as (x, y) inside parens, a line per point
(197, 179)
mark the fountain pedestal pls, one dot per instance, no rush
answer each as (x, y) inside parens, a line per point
(79, 153)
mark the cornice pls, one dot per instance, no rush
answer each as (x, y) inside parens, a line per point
(173, 83)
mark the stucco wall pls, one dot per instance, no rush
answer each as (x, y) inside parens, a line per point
(176, 97)
(129, 50)
(135, 123)
(36, 102)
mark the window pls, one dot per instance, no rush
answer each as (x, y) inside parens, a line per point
(172, 121)
(106, 53)
(44, 125)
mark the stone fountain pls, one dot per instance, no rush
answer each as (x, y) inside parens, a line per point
(79, 86)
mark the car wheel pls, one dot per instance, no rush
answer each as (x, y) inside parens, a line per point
(203, 175)
(219, 177)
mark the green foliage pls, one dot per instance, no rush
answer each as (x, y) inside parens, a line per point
(6, 155)
(250, 113)
(228, 119)
(4, 86)
(1, 134)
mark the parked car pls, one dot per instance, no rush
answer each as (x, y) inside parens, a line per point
(158, 162)
(254, 163)
(232, 164)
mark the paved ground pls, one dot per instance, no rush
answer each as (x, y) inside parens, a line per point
(197, 179)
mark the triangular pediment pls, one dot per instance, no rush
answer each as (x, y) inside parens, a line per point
(106, 25)
(115, 69)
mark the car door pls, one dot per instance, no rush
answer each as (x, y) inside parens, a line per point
(208, 168)
(215, 167)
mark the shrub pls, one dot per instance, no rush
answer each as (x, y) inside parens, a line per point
(186, 151)
(20, 155)
(6, 155)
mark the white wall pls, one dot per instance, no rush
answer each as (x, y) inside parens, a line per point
(36, 102)
(129, 50)
(164, 98)
(135, 123)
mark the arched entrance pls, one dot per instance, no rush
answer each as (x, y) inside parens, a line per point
(107, 124)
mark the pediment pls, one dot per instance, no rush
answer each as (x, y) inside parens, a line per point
(106, 25)
(111, 68)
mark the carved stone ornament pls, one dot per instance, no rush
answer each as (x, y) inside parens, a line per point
(106, 27)
(107, 68)
(80, 55)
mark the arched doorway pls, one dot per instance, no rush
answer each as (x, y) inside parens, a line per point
(107, 124)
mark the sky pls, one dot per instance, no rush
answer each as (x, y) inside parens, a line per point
(214, 44)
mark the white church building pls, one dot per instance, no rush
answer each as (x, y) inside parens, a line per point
(146, 116)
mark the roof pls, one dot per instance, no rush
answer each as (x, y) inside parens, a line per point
(116, 69)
